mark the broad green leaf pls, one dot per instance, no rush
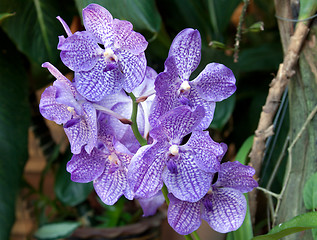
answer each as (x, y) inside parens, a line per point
(244, 150)
(142, 14)
(223, 112)
(220, 12)
(310, 192)
(34, 28)
(14, 123)
(56, 230)
(69, 192)
(297, 224)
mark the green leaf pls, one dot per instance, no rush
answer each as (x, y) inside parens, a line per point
(220, 12)
(143, 14)
(223, 112)
(5, 15)
(56, 230)
(69, 192)
(34, 28)
(14, 123)
(310, 192)
(297, 224)
(244, 150)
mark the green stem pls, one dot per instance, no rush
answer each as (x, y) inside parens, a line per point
(196, 236)
(134, 124)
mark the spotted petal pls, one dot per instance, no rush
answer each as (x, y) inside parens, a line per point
(215, 83)
(97, 82)
(183, 217)
(186, 48)
(177, 123)
(133, 68)
(82, 131)
(145, 169)
(85, 167)
(127, 39)
(188, 182)
(110, 186)
(236, 175)
(224, 209)
(80, 51)
(52, 110)
(98, 21)
(206, 151)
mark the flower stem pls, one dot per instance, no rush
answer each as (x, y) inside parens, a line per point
(134, 124)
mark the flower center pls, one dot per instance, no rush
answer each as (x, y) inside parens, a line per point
(113, 158)
(185, 87)
(174, 150)
(110, 56)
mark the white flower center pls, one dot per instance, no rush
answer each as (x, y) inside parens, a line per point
(184, 88)
(174, 150)
(110, 56)
(71, 110)
(113, 158)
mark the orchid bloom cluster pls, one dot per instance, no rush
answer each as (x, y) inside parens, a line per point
(110, 71)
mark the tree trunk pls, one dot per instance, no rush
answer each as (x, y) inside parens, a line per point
(302, 99)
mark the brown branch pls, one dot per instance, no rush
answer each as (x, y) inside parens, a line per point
(277, 87)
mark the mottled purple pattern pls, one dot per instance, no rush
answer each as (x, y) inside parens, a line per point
(224, 209)
(186, 48)
(145, 169)
(133, 67)
(111, 185)
(236, 175)
(127, 39)
(151, 204)
(80, 51)
(215, 83)
(177, 123)
(84, 131)
(101, 71)
(189, 183)
(85, 167)
(52, 110)
(206, 151)
(183, 217)
(98, 21)
(97, 83)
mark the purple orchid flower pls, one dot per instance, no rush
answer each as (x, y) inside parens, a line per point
(106, 166)
(122, 104)
(187, 170)
(107, 57)
(62, 103)
(223, 207)
(173, 88)
(151, 204)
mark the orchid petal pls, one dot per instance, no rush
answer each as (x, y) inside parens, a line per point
(186, 48)
(189, 183)
(97, 83)
(206, 151)
(85, 167)
(146, 167)
(225, 209)
(126, 38)
(236, 175)
(183, 217)
(98, 21)
(133, 68)
(151, 204)
(215, 83)
(80, 51)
